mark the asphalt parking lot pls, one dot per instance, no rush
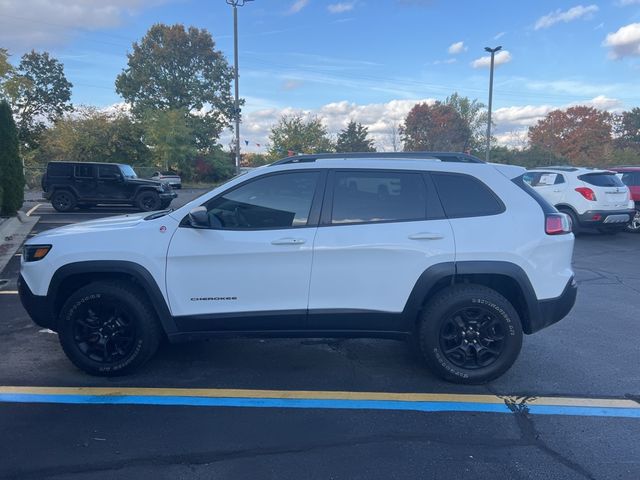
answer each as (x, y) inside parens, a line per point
(591, 356)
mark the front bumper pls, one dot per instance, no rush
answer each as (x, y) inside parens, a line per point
(606, 218)
(38, 307)
(168, 195)
(553, 310)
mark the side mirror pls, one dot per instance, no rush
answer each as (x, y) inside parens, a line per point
(199, 218)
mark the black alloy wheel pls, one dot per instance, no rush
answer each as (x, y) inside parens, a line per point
(148, 201)
(63, 201)
(634, 225)
(104, 333)
(472, 338)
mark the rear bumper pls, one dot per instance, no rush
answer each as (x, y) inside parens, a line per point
(553, 310)
(37, 307)
(606, 218)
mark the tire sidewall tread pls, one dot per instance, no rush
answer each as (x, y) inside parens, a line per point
(148, 329)
(437, 309)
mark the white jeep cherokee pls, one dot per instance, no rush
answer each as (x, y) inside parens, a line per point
(593, 198)
(440, 247)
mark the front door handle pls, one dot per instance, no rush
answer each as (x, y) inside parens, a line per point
(426, 236)
(288, 241)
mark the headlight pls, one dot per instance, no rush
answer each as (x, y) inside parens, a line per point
(33, 253)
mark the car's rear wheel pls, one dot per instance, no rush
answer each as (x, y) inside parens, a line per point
(634, 225)
(575, 225)
(148, 201)
(63, 201)
(469, 334)
(108, 329)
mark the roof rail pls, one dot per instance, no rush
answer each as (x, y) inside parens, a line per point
(442, 156)
(563, 168)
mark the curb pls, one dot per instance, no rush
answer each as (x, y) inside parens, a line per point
(13, 233)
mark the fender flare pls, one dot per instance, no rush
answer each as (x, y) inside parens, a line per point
(135, 270)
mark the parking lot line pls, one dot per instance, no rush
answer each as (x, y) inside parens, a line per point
(33, 209)
(425, 402)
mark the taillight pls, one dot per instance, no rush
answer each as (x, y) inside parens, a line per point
(557, 224)
(587, 193)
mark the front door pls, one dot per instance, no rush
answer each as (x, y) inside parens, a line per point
(253, 262)
(110, 183)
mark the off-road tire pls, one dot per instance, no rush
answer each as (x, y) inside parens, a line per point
(440, 312)
(100, 297)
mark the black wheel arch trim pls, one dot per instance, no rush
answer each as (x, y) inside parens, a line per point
(135, 270)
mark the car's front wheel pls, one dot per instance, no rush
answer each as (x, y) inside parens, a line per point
(63, 201)
(469, 334)
(108, 329)
(148, 201)
(634, 225)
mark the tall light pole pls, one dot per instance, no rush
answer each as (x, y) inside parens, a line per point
(236, 111)
(492, 51)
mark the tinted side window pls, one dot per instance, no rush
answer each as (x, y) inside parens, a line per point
(466, 196)
(602, 179)
(59, 170)
(108, 171)
(631, 179)
(85, 171)
(378, 196)
(276, 201)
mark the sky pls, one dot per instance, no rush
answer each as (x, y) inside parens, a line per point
(362, 60)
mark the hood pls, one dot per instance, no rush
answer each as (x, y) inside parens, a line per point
(144, 181)
(119, 222)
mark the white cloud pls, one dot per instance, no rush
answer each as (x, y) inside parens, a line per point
(565, 16)
(42, 23)
(378, 117)
(499, 35)
(341, 7)
(445, 62)
(624, 3)
(503, 56)
(457, 47)
(297, 6)
(289, 85)
(624, 42)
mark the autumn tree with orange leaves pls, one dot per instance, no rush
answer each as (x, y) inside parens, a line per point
(580, 134)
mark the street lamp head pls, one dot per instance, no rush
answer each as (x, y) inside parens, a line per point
(237, 3)
(493, 50)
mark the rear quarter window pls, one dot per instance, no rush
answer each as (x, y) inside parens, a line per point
(466, 196)
(602, 179)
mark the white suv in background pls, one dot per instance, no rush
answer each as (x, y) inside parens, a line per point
(440, 247)
(593, 198)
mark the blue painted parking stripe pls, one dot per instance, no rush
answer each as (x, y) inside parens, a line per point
(310, 403)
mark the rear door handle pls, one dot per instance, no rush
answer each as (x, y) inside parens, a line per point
(426, 236)
(288, 241)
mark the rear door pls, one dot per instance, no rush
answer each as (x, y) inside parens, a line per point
(380, 230)
(551, 185)
(611, 193)
(85, 181)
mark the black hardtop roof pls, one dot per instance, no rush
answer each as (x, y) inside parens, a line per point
(84, 163)
(442, 156)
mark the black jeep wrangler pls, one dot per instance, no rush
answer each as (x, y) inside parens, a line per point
(85, 184)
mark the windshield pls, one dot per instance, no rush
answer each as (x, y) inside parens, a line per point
(128, 171)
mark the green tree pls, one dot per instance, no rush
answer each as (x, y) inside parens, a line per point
(434, 127)
(354, 138)
(92, 135)
(176, 69)
(475, 117)
(39, 93)
(295, 134)
(11, 172)
(6, 68)
(170, 137)
(627, 128)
